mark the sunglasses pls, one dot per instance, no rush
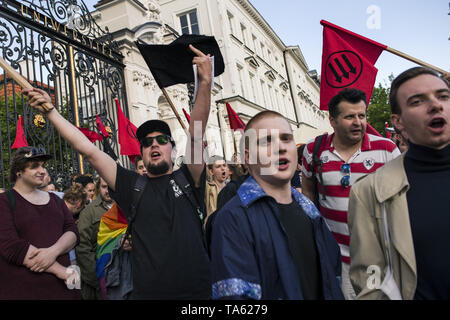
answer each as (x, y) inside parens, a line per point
(35, 152)
(161, 140)
(345, 181)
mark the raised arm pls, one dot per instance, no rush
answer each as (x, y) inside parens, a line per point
(199, 115)
(100, 161)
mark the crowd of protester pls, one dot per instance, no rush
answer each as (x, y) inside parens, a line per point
(307, 221)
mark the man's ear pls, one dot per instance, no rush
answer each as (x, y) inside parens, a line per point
(396, 121)
(173, 155)
(332, 121)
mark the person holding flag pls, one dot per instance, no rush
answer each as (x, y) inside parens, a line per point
(342, 157)
(169, 258)
(332, 163)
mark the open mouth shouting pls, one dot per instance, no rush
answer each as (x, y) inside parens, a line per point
(155, 155)
(437, 125)
(283, 164)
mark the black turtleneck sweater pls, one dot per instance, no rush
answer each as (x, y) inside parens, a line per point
(428, 172)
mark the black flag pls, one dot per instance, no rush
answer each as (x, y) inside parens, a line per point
(172, 64)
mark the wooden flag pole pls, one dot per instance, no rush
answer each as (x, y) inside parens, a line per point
(20, 80)
(415, 60)
(174, 110)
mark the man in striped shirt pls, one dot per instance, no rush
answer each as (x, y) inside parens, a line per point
(346, 155)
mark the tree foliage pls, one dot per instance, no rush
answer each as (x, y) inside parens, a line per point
(379, 111)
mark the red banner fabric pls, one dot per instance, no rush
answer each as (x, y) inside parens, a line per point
(347, 62)
(388, 134)
(235, 122)
(91, 135)
(129, 145)
(188, 117)
(101, 127)
(372, 130)
(21, 140)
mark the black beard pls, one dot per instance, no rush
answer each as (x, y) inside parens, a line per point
(158, 169)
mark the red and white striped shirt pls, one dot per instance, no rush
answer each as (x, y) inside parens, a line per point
(375, 151)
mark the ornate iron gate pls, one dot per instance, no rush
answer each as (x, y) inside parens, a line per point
(59, 48)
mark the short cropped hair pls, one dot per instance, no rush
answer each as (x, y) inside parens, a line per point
(245, 138)
(402, 78)
(350, 95)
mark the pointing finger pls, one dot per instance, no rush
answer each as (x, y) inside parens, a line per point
(196, 51)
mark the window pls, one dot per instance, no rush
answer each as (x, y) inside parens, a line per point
(241, 79)
(244, 31)
(264, 93)
(230, 22)
(253, 86)
(271, 96)
(255, 43)
(189, 23)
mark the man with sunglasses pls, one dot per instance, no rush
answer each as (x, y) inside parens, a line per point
(169, 258)
(399, 217)
(346, 155)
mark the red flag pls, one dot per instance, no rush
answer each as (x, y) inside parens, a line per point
(21, 140)
(101, 127)
(235, 122)
(188, 117)
(371, 130)
(388, 134)
(91, 135)
(347, 62)
(129, 145)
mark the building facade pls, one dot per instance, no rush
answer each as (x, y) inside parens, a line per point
(261, 72)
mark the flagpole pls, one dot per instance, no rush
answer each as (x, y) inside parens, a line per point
(415, 60)
(219, 115)
(20, 80)
(174, 110)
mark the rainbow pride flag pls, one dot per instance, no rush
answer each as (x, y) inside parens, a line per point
(113, 225)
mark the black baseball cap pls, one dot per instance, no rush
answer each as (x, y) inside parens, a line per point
(152, 126)
(32, 153)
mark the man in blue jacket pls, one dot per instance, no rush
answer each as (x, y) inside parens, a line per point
(269, 241)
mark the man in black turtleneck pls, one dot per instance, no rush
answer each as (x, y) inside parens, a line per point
(408, 197)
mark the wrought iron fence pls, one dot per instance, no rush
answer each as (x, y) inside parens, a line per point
(58, 47)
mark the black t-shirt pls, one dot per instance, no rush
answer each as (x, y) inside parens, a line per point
(300, 234)
(169, 258)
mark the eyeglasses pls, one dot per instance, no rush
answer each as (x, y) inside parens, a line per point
(345, 181)
(35, 152)
(162, 139)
